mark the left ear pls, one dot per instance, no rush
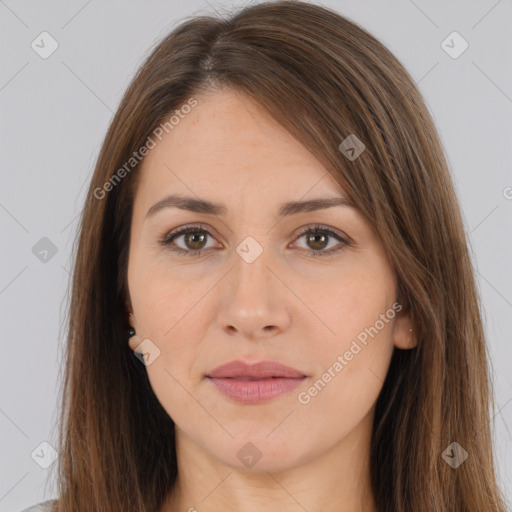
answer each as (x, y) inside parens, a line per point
(404, 335)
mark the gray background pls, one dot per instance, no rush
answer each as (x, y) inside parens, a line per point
(55, 112)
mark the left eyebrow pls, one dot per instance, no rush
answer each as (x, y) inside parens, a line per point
(211, 208)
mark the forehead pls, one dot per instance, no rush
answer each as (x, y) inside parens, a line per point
(228, 144)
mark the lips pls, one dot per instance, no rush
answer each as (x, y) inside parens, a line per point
(253, 384)
(263, 370)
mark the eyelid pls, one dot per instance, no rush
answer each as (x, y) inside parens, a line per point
(321, 227)
(170, 236)
(343, 240)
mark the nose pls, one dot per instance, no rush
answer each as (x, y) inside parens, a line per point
(254, 301)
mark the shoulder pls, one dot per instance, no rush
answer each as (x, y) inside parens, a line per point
(44, 506)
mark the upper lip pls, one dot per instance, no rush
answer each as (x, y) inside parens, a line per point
(264, 369)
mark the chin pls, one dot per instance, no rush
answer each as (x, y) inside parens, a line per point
(260, 454)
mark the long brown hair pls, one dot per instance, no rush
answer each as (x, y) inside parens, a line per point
(323, 78)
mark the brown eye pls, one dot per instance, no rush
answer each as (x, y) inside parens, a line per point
(318, 238)
(317, 241)
(193, 241)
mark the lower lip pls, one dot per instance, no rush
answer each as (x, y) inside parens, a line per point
(255, 391)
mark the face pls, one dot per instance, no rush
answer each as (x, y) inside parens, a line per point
(311, 290)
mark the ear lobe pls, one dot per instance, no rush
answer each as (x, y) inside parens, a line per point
(129, 312)
(134, 342)
(404, 335)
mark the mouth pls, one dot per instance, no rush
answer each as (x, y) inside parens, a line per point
(257, 383)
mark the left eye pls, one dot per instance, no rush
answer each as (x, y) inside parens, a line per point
(318, 239)
(195, 237)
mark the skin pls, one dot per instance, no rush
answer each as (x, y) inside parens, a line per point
(286, 306)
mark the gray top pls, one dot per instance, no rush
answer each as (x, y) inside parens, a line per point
(43, 506)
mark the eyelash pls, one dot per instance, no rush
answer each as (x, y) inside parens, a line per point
(317, 229)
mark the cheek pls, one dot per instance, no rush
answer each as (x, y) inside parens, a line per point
(347, 387)
(169, 312)
(162, 297)
(348, 299)
(354, 356)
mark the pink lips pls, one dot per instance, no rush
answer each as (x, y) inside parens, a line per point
(252, 384)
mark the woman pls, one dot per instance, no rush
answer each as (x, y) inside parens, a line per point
(273, 305)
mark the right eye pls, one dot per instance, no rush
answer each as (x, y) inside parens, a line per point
(194, 238)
